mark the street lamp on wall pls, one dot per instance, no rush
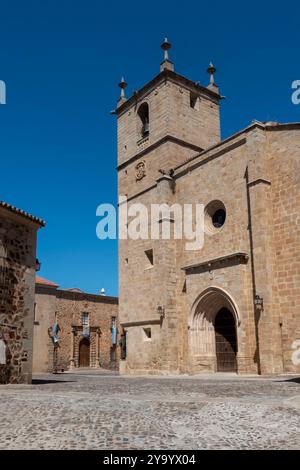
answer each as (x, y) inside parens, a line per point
(161, 311)
(258, 301)
(37, 265)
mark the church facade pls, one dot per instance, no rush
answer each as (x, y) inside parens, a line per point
(87, 327)
(234, 304)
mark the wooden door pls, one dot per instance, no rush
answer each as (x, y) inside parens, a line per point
(84, 353)
(226, 343)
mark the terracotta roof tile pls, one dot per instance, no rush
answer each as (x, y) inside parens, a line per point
(45, 282)
(22, 213)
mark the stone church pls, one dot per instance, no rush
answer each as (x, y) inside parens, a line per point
(234, 304)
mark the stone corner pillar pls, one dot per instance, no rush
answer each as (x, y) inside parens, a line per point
(97, 360)
(259, 194)
(72, 352)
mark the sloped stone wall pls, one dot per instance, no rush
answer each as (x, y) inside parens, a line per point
(17, 274)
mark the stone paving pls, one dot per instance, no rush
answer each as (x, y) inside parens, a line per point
(100, 410)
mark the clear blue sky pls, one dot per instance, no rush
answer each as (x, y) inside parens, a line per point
(62, 60)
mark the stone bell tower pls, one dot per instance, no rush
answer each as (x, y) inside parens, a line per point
(170, 109)
(168, 120)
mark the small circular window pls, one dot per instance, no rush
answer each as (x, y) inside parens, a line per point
(214, 216)
(218, 219)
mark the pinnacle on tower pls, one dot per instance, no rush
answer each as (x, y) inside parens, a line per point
(211, 70)
(122, 85)
(166, 64)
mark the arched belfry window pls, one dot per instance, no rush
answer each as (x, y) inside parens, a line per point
(143, 113)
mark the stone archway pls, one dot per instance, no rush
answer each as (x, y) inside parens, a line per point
(202, 335)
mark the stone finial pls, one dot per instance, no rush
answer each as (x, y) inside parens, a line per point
(211, 70)
(166, 64)
(122, 85)
(166, 45)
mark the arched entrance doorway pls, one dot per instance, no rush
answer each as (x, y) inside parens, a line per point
(213, 327)
(226, 347)
(84, 353)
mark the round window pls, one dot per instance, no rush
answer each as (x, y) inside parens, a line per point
(218, 218)
(214, 216)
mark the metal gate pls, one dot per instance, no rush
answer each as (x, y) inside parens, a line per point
(226, 343)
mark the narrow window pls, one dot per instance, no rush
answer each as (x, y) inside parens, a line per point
(193, 100)
(85, 319)
(149, 254)
(147, 334)
(143, 113)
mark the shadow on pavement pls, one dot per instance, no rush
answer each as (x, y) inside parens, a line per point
(295, 380)
(49, 381)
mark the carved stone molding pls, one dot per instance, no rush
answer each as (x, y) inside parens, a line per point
(208, 265)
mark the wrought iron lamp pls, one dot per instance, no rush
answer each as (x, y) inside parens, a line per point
(161, 311)
(37, 265)
(258, 301)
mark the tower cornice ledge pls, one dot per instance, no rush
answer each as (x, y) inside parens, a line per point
(166, 138)
(167, 75)
(214, 263)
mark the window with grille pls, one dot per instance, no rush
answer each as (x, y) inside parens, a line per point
(85, 319)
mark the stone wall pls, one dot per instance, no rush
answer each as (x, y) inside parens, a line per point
(17, 281)
(219, 175)
(45, 308)
(284, 162)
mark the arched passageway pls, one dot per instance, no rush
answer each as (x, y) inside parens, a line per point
(213, 340)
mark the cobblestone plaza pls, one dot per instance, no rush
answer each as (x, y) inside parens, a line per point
(102, 410)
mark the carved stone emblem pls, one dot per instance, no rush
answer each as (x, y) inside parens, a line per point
(140, 171)
(24, 356)
(25, 334)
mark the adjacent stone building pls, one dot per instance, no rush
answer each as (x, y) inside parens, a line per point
(18, 234)
(87, 329)
(234, 304)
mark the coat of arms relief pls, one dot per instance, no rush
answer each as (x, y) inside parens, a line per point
(140, 171)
